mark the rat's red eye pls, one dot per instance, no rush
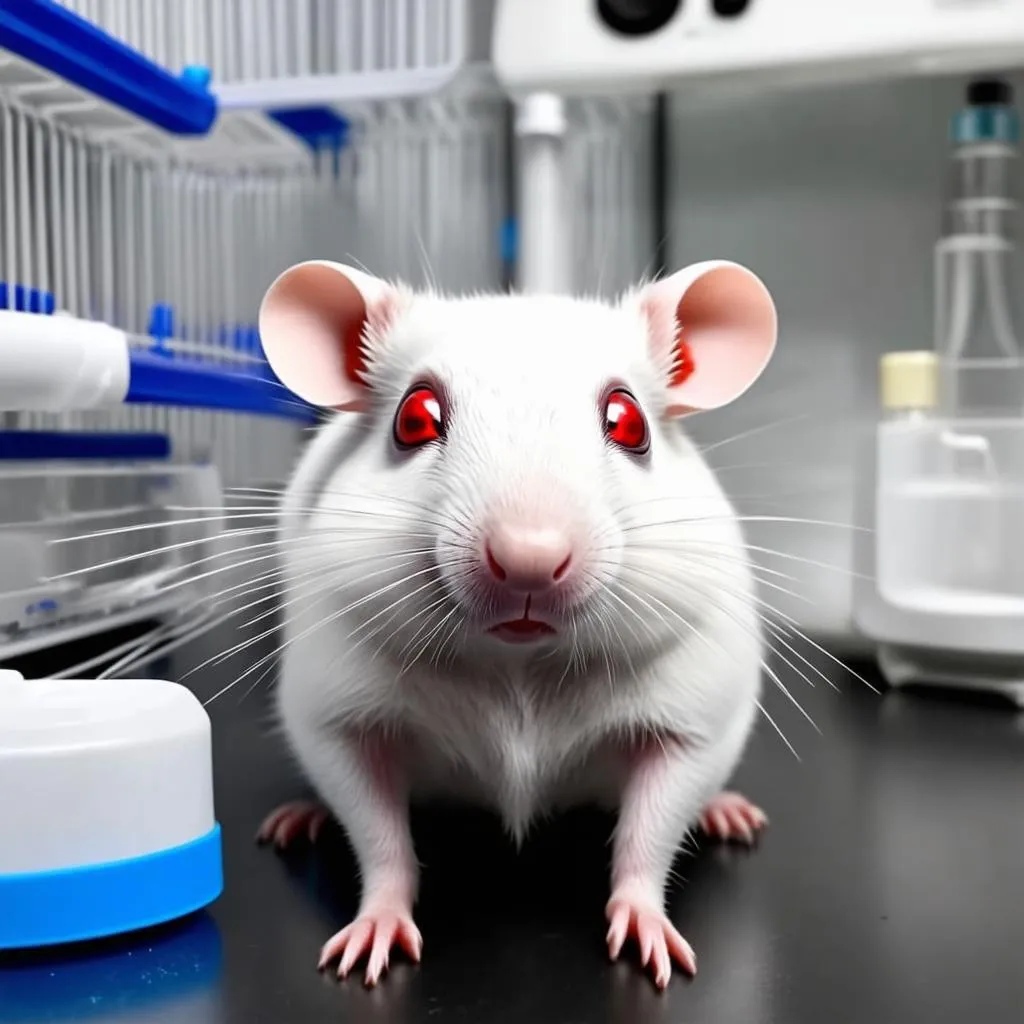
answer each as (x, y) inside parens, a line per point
(418, 420)
(625, 423)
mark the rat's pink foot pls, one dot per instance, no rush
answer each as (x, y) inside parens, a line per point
(290, 820)
(732, 816)
(373, 934)
(632, 916)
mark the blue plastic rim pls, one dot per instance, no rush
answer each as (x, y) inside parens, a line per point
(49, 908)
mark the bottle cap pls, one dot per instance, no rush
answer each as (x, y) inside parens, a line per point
(989, 115)
(909, 380)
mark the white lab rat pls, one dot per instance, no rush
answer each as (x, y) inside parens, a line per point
(512, 579)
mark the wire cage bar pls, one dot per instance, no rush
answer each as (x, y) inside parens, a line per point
(267, 53)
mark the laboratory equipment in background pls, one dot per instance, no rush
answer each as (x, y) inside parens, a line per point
(117, 831)
(146, 209)
(379, 133)
(942, 568)
(368, 132)
(807, 141)
(723, 48)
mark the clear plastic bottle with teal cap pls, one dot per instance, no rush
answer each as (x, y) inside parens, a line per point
(976, 275)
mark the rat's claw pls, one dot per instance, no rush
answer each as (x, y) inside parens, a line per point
(357, 945)
(659, 941)
(290, 820)
(373, 935)
(659, 960)
(618, 929)
(334, 946)
(384, 936)
(410, 940)
(732, 816)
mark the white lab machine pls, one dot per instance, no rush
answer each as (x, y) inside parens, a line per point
(730, 47)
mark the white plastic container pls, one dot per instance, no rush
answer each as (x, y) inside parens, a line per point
(106, 794)
(941, 570)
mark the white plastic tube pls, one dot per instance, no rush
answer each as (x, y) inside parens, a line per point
(59, 363)
(543, 212)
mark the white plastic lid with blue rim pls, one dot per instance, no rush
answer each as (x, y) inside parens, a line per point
(106, 798)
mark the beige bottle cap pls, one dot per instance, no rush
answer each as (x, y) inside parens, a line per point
(909, 380)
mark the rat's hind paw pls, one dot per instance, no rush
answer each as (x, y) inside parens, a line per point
(659, 941)
(373, 935)
(732, 816)
(284, 825)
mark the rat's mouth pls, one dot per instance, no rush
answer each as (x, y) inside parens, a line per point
(523, 630)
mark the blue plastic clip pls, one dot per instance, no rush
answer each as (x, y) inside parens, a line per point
(161, 326)
(318, 127)
(54, 38)
(509, 240)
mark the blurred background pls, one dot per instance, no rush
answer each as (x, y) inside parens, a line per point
(864, 168)
(161, 161)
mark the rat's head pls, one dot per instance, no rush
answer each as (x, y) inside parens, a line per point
(524, 451)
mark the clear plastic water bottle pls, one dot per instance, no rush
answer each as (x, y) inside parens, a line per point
(975, 260)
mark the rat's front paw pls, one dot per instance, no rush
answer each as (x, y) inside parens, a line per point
(732, 816)
(630, 915)
(373, 934)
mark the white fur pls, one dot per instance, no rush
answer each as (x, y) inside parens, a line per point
(523, 730)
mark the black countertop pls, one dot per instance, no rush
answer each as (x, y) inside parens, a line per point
(888, 888)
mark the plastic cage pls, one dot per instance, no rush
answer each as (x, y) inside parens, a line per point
(367, 131)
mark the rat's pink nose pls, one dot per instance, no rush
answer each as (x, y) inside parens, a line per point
(528, 558)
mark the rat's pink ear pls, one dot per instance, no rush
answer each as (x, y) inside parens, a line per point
(712, 329)
(313, 323)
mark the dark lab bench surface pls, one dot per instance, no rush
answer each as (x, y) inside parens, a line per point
(888, 888)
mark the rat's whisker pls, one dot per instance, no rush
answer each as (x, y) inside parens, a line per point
(430, 637)
(195, 628)
(773, 675)
(611, 593)
(102, 659)
(732, 550)
(780, 635)
(426, 610)
(755, 634)
(735, 558)
(791, 623)
(775, 726)
(214, 516)
(320, 624)
(226, 551)
(730, 517)
(313, 559)
(323, 592)
(209, 620)
(709, 562)
(763, 428)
